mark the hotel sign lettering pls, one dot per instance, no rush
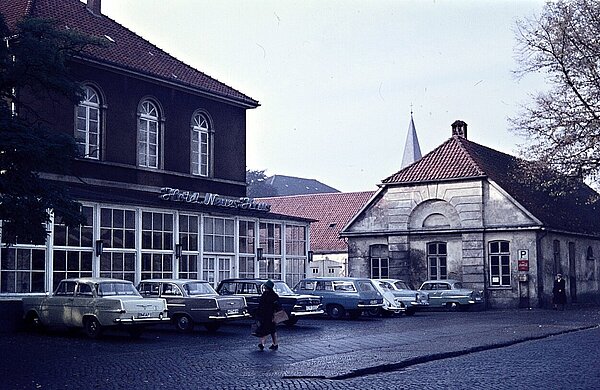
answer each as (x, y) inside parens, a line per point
(208, 199)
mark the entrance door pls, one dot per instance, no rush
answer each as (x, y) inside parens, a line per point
(216, 268)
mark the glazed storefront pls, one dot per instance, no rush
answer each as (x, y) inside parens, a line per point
(172, 234)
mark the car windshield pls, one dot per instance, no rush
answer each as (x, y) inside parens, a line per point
(385, 286)
(400, 285)
(199, 288)
(281, 288)
(106, 289)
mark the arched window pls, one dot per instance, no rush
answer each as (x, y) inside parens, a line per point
(200, 145)
(87, 124)
(148, 135)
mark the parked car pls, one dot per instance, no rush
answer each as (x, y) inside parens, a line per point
(193, 302)
(411, 299)
(94, 304)
(295, 305)
(450, 294)
(342, 295)
(391, 304)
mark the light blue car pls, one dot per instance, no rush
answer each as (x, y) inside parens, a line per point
(341, 296)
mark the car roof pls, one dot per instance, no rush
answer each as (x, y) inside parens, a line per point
(451, 281)
(333, 278)
(94, 280)
(249, 280)
(172, 281)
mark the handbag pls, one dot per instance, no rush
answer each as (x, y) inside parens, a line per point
(254, 328)
(280, 316)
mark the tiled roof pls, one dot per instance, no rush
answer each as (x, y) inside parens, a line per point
(332, 212)
(290, 185)
(459, 159)
(125, 49)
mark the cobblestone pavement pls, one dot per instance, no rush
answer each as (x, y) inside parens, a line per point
(498, 349)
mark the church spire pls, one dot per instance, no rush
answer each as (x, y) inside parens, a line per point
(412, 150)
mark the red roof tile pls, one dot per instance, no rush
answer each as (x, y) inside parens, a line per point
(125, 49)
(332, 212)
(459, 159)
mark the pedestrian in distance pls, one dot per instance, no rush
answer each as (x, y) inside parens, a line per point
(559, 295)
(267, 306)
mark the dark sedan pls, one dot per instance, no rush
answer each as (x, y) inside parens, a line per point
(295, 305)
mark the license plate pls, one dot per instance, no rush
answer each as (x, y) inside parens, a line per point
(233, 311)
(147, 314)
(374, 302)
(310, 308)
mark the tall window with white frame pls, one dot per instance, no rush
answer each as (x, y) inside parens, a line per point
(247, 246)
(380, 263)
(219, 239)
(295, 250)
(270, 240)
(87, 124)
(73, 248)
(188, 239)
(437, 258)
(117, 232)
(148, 135)
(499, 263)
(200, 145)
(157, 245)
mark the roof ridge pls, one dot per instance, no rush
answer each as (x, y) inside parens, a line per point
(460, 140)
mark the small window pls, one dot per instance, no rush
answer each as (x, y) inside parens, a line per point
(437, 260)
(84, 290)
(379, 261)
(65, 288)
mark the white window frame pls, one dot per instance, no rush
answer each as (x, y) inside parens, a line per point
(88, 141)
(200, 148)
(148, 135)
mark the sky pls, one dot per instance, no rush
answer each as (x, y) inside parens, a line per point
(337, 80)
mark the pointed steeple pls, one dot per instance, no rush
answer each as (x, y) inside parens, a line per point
(412, 150)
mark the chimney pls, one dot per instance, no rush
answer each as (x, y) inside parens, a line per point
(94, 6)
(459, 128)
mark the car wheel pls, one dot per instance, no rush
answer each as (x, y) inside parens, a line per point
(92, 328)
(375, 311)
(291, 322)
(33, 322)
(212, 327)
(410, 312)
(453, 306)
(336, 311)
(184, 323)
(354, 314)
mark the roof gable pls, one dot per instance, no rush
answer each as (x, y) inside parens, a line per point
(577, 210)
(125, 49)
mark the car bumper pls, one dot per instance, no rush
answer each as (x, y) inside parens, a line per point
(229, 317)
(140, 321)
(306, 313)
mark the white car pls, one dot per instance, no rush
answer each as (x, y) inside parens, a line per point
(411, 300)
(451, 294)
(391, 304)
(94, 304)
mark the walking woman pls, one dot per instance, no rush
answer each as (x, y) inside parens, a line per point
(267, 306)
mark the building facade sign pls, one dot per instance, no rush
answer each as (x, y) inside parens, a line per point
(245, 203)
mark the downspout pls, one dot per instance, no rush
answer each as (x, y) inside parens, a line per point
(539, 261)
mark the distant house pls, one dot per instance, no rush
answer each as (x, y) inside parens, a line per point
(460, 213)
(289, 185)
(332, 212)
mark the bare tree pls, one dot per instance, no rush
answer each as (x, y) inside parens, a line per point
(562, 125)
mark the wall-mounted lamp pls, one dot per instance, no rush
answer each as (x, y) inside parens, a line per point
(178, 249)
(310, 256)
(259, 254)
(99, 247)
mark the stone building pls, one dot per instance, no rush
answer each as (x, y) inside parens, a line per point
(463, 211)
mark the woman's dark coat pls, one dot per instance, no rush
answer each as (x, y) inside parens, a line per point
(268, 304)
(559, 295)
